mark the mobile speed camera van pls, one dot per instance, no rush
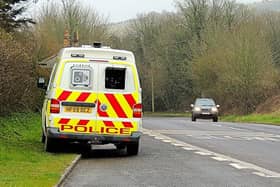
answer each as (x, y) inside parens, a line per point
(93, 97)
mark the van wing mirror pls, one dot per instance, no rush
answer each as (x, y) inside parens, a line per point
(192, 105)
(218, 106)
(41, 83)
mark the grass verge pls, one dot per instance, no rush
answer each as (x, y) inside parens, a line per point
(23, 161)
(254, 118)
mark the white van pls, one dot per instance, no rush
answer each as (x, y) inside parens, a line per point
(93, 97)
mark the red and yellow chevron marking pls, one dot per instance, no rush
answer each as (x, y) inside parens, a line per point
(64, 95)
(118, 105)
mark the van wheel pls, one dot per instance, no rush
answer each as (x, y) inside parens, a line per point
(133, 148)
(50, 145)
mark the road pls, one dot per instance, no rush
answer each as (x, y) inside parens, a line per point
(178, 152)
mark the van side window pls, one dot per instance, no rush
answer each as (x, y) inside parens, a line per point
(81, 76)
(115, 78)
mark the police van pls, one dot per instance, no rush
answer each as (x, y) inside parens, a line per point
(93, 97)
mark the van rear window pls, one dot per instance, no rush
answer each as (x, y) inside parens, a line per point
(115, 78)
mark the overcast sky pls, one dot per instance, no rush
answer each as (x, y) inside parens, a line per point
(120, 10)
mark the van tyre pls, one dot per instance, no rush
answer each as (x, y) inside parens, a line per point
(50, 145)
(133, 148)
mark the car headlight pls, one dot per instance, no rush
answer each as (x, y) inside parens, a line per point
(214, 109)
(197, 109)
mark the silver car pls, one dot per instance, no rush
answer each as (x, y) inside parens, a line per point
(205, 108)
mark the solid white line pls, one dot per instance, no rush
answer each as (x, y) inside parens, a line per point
(248, 165)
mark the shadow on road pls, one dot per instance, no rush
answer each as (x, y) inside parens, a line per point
(103, 153)
(88, 151)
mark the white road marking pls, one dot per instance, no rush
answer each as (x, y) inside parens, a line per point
(238, 166)
(263, 175)
(158, 138)
(178, 145)
(233, 128)
(203, 153)
(216, 137)
(229, 137)
(221, 159)
(235, 162)
(188, 148)
(153, 135)
(272, 139)
(167, 141)
(217, 125)
(259, 138)
(203, 137)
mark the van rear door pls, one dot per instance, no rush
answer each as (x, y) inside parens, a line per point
(117, 95)
(76, 95)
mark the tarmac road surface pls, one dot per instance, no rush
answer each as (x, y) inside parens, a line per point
(178, 152)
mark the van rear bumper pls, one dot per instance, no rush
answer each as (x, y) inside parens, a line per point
(92, 138)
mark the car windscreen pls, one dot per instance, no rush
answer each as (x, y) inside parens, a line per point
(205, 102)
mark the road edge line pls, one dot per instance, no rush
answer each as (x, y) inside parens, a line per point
(68, 171)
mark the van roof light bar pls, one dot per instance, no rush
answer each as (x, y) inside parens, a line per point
(78, 55)
(120, 58)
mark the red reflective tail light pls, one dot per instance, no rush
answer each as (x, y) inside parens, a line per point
(137, 111)
(55, 106)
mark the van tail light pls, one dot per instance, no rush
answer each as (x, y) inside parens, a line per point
(137, 111)
(55, 106)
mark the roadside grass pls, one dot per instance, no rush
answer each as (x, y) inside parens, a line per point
(271, 119)
(23, 161)
(166, 114)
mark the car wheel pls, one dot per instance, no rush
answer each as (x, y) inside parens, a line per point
(215, 119)
(133, 148)
(193, 118)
